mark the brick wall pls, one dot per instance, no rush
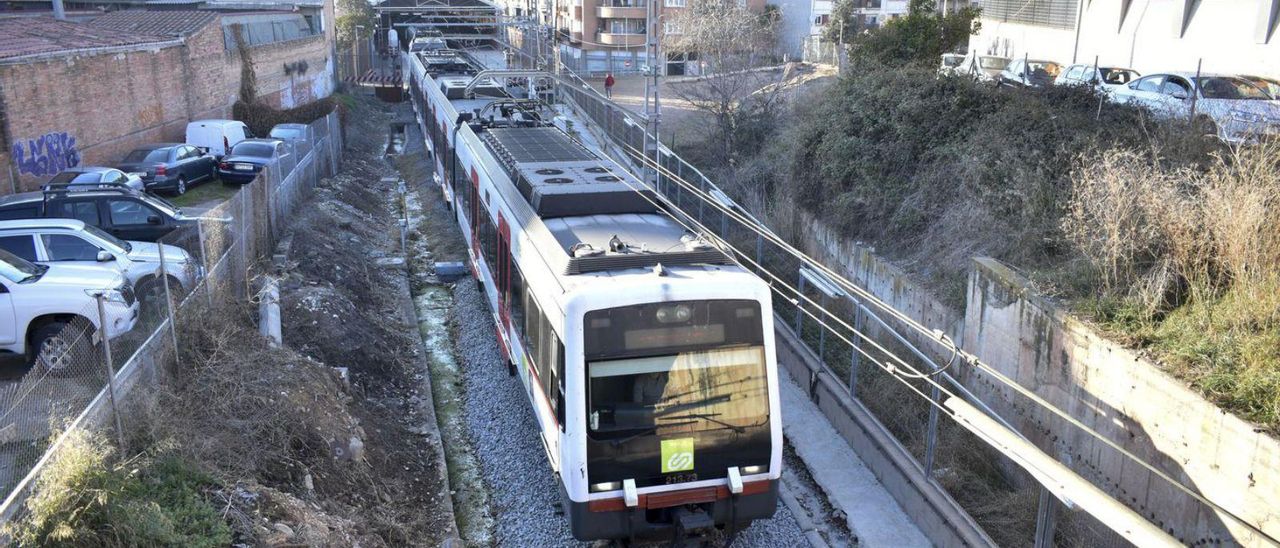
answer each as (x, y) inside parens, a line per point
(95, 108)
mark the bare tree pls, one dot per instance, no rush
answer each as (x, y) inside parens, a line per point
(732, 45)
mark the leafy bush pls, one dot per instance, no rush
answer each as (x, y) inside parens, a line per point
(921, 36)
(89, 497)
(940, 169)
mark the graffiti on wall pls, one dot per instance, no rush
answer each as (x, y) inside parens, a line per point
(47, 155)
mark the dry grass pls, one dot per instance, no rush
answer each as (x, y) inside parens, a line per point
(1188, 260)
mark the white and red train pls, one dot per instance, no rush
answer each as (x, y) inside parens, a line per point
(646, 353)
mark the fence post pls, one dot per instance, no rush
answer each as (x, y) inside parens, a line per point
(931, 442)
(1046, 519)
(204, 259)
(856, 359)
(168, 306)
(822, 333)
(800, 310)
(111, 370)
(244, 236)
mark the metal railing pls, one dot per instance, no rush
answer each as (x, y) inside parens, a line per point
(1002, 498)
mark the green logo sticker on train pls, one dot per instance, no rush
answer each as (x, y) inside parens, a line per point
(677, 455)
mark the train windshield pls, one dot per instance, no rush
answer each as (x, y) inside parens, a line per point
(676, 391)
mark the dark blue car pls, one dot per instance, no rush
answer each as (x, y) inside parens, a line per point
(248, 157)
(169, 167)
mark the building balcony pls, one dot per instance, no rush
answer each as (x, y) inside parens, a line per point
(612, 39)
(621, 11)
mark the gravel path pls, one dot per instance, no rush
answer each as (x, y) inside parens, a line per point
(503, 431)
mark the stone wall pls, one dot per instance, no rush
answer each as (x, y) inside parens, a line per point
(93, 109)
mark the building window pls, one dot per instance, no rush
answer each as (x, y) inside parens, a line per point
(822, 20)
(676, 3)
(1044, 13)
(278, 29)
(671, 27)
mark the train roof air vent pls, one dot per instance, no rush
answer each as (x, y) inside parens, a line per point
(608, 178)
(597, 169)
(549, 171)
(558, 180)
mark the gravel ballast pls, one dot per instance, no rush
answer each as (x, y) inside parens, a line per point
(522, 489)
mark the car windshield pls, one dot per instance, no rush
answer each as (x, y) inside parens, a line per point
(1266, 84)
(951, 60)
(76, 178)
(145, 155)
(18, 270)
(103, 235)
(1229, 87)
(1117, 76)
(1052, 69)
(286, 133)
(993, 62)
(260, 150)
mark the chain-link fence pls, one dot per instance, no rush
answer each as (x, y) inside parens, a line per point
(74, 377)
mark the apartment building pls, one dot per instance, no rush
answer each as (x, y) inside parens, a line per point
(1222, 36)
(599, 36)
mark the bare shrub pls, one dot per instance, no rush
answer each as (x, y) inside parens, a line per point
(1109, 215)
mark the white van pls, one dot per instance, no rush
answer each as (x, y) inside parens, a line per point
(218, 136)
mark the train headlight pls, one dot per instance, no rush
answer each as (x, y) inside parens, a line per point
(606, 486)
(674, 314)
(757, 469)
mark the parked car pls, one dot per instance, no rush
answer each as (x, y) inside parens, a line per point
(71, 242)
(217, 136)
(123, 213)
(249, 157)
(299, 137)
(96, 175)
(1029, 73)
(1103, 79)
(170, 167)
(984, 68)
(44, 310)
(1233, 108)
(1269, 85)
(951, 64)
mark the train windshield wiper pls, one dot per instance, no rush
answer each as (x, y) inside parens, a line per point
(679, 407)
(646, 431)
(709, 417)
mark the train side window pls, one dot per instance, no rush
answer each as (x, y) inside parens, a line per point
(533, 330)
(557, 402)
(515, 294)
(550, 349)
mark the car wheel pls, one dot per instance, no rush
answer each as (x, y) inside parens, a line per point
(54, 347)
(182, 186)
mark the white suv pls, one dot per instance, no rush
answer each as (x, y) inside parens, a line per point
(71, 242)
(45, 309)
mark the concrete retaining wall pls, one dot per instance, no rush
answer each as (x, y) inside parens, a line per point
(1126, 398)
(1105, 386)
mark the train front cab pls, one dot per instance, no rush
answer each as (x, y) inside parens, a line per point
(677, 429)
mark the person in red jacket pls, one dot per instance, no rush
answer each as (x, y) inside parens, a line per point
(608, 85)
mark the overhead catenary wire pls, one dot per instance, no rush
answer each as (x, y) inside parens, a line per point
(939, 338)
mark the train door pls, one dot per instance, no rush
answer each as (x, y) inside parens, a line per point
(503, 273)
(474, 214)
